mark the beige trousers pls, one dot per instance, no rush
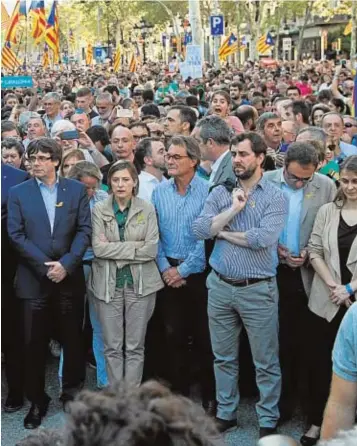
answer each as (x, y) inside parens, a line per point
(124, 321)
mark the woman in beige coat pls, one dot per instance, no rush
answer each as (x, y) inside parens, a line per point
(124, 278)
(333, 255)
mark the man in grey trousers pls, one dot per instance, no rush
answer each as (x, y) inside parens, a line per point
(242, 289)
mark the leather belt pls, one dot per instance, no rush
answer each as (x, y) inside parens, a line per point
(240, 283)
(174, 262)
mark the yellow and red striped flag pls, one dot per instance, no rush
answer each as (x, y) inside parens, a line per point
(89, 54)
(71, 39)
(117, 59)
(348, 29)
(5, 18)
(265, 43)
(132, 64)
(52, 32)
(20, 10)
(8, 57)
(46, 57)
(37, 8)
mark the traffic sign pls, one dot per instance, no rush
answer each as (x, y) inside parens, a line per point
(98, 53)
(217, 25)
(287, 44)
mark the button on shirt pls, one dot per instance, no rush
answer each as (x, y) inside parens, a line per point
(147, 184)
(176, 214)
(290, 237)
(261, 220)
(49, 195)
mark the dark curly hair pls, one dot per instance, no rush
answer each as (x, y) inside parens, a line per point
(146, 416)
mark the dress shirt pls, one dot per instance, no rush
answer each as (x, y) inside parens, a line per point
(49, 195)
(261, 220)
(49, 122)
(348, 149)
(290, 237)
(176, 214)
(97, 120)
(147, 184)
(215, 167)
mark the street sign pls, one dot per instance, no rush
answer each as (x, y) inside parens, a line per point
(98, 53)
(217, 25)
(286, 44)
(16, 82)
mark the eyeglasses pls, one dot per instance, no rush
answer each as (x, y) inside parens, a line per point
(40, 159)
(348, 125)
(296, 179)
(157, 133)
(175, 157)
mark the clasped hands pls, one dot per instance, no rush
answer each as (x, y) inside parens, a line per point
(56, 271)
(172, 278)
(339, 295)
(290, 260)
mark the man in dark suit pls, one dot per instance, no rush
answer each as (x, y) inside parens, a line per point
(49, 225)
(213, 136)
(11, 322)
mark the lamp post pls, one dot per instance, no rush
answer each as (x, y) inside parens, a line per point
(144, 29)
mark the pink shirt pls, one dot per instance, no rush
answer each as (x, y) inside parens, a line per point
(304, 88)
(235, 123)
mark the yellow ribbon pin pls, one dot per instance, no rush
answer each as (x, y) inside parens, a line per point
(140, 218)
(59, 205)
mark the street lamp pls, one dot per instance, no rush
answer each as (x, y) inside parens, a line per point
(144, 28)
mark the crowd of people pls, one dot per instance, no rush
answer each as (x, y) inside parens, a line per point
(198, 232)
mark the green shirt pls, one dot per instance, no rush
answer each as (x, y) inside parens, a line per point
(124, 277)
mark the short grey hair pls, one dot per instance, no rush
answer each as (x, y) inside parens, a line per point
(85, 169)
(62, 125)
(104, 97)
(215, 128)
(316, 133)
(264, 118)
(303, 153)
(191, 146)
(52, 95)
(332, 113)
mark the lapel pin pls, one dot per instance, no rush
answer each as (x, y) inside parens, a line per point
(59, 205)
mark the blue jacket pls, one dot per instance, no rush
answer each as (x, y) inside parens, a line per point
(30, 232)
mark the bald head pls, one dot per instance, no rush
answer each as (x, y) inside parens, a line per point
(123, 143)
(248, 116)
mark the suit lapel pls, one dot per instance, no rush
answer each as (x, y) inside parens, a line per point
(220, 170)
(39, 205)
(61, 204)
(309, 198)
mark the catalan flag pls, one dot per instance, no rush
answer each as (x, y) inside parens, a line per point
(348, 29)
(5, 18)
(8, 57)
(132, 64)
(37, 8)
(71, 38)
(46, 57)
(19, 11)
(227, 45)
(354, 98)
(52, 32)
(117, 59)
(265, 43)
(89, 54)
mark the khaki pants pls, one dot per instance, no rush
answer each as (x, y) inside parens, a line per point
(125, 318)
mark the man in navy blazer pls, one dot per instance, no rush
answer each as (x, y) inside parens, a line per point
(11, 322)
(49, 225)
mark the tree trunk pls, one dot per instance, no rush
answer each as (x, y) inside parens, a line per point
(302, 31)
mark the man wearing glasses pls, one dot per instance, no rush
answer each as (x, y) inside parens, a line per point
(49, 225)
(307, 191)
(350, 124)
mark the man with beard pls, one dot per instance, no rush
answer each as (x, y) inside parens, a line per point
(242, 289)
(235, 94)
(149, 156)
(104, 104)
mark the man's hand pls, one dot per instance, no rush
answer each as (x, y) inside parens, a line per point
(103, 238)
(298, 261)
(56, 271)
(283, 252)
(171, 276)
(179, 283)
(239, 199)
(85, 142)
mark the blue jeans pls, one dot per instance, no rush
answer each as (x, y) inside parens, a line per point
(256, 307)
(98, 347)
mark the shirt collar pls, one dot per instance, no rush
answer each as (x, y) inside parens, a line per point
(218, 161)
(116, 207)
(261, 183)
(195, 180)
(41, 183)
(149, 176)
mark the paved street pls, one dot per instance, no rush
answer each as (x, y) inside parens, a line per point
(13, 431)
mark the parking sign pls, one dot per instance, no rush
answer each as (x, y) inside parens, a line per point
(217, 25)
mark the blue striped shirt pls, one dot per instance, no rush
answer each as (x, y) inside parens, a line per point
(261, 220)
(176, 214)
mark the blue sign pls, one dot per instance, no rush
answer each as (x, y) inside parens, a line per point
(217, 25)
(98, 53)
(16, 82)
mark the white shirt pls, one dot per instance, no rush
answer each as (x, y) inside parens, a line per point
(215, 167)
(147, 184)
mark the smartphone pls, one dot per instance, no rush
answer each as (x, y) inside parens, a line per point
(343, 62)
(69, 134)
(124, 113)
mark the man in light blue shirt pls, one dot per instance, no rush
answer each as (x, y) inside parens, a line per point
(181, 260)
(307, 191)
